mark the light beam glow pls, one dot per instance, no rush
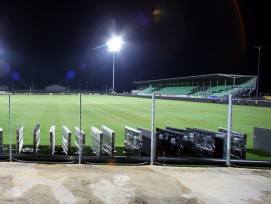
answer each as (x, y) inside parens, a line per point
(114, 44)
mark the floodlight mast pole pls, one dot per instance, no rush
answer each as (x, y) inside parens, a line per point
(153, 136)
(10, 131)
(228, 147)
(113, 53)
(80, 126)
(114, 45)
(258, 72)
(113, 86)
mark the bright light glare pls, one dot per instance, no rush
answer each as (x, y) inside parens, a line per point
(114, 44)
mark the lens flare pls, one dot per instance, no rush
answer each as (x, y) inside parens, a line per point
(4, 68)
(242, 32)
(70, 75)
(15, 75)
(83, 66)
(143, 19)
(114, 44)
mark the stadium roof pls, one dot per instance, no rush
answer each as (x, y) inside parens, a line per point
(55, 88)
(4, 88)
(198, 77)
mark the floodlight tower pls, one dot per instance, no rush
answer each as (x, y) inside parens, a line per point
(114, 45)
(258, 73)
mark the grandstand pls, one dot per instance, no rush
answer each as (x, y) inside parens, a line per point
(202, 86)
(3, 89)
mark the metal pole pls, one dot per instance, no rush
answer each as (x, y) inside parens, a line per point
(258, 72)
(211, 86)
(10, 132)
(228, 153)
(114, 29)
(113, 71)
(152, 129)
(80, 126)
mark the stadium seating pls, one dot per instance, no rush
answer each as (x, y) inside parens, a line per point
(175, 90)
(147, 90)
(219, 91)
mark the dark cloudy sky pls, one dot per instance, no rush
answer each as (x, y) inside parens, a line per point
(62, 42)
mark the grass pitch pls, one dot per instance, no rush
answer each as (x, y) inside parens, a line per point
(116, 112)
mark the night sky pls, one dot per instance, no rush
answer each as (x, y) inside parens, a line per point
(63, 42)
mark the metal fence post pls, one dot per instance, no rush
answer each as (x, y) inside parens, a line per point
(10, 131)
(152, 129)
(228, 153)
(80, 129)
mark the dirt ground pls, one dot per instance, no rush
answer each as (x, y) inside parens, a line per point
(60, 183)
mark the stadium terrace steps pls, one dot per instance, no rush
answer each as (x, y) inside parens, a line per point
(146, 91)
(175, 90)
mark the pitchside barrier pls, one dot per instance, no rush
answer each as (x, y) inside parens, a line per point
(238, 143)
(173, 143)
(96, 141)
(36, 138)
(200, 143)
(146, 141)
(108, 143)
(79, 136)
(214, 141)
(262, 139)
(1, 141)
(178, 142)
(19, 139)
(204, 142)
(66, 140)
(132, 140)
(52, 138)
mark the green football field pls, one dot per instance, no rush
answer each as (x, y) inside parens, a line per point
(116, 112)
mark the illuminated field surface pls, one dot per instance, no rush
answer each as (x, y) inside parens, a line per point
(116, 112)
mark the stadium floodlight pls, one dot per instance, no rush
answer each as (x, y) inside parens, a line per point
(258, 72)
(114, 45)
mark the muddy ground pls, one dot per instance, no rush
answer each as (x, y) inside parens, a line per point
(59, 183)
